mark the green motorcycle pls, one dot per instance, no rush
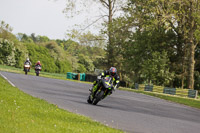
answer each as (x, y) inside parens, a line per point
(104, 88)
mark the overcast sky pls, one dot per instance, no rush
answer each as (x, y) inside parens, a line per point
(42, 17)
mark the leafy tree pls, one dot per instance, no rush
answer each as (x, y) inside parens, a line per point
(180, 16)
(24, 38)
(142, 54)
(5, 32)
(86, 62)
(56, 51)
(81, 68)
(87, 39)
(156, 69)
(19, 58)
(63, 66)
(89, 46)
(33, 37)
(42, 39)
(111, 6)
(6, 48)
(5, 27)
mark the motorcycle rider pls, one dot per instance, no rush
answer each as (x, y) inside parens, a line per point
(29, 62)
(38, 68)
(38, 63)
(111, 72)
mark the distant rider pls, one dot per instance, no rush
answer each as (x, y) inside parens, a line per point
(27, 62)
(107, 73)
(38, 63)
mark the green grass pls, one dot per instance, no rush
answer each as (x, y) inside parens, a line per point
(22, 113)
(11, 69)
(181, 100)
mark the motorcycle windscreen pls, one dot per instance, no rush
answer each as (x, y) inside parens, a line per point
(107, 82)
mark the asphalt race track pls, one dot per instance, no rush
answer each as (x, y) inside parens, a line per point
(128, 111)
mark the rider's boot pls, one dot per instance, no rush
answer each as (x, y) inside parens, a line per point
(94, 83)
(91, 88)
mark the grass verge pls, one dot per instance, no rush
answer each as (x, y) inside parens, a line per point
(181, 100)
(22, 113)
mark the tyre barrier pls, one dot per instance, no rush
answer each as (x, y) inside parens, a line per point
(167, 90)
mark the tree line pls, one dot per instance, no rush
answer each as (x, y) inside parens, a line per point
(56, 56)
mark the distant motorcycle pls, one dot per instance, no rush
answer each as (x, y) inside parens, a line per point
(26, 68)
(37, 69)
(104, 88)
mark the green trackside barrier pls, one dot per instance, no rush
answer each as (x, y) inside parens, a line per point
(136, 86)
(171, 91)
(82, 76)
(192, 93)
(167, 90)
(143, 87)
(148, 88)
(75, 76)
(69, 75)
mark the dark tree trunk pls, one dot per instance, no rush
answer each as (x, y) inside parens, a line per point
(192, 47)
(191, 66)
(110, 51)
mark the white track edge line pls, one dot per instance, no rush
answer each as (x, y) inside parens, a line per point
(7, 80)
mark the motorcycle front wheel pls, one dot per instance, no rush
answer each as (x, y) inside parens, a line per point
(37, 73)
(26, 71)
(89, 99)
(98, 97)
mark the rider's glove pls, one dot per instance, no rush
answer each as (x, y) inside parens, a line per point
(98, 77)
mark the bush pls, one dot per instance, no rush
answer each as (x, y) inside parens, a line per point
(6, 50)
(81, 69)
